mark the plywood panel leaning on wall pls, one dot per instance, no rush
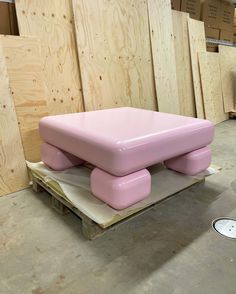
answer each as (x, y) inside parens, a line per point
(13, 171)
(115, 53)
(211, 86)
(228, 76)
(197, 44)
(183, 63)
(52, 21)
(27, 84)
(162, 39)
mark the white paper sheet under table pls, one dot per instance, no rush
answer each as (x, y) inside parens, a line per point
(74, 184)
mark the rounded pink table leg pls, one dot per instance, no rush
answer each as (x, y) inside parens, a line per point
(120, 192)
(58, 159)
(191, 163)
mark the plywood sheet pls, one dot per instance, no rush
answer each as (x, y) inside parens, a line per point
(27, 84)
(211, 87)
(52, 22)
(115, 53)
(228, 76)
(13, 171)
(197, 44)
(162, 40)
(183, 63)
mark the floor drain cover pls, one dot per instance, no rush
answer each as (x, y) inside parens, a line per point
(225, 227)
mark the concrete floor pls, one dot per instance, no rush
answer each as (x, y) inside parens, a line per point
(170, 249)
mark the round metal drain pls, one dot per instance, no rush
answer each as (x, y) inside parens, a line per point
(225, 227)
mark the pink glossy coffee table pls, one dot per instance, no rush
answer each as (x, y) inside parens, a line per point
(122, 143)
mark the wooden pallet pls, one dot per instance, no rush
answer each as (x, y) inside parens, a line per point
(90, 229)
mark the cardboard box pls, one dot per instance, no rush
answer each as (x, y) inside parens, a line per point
(226, 36)
(234, 39)
(5, 27)
(175, 4)
(212, 34)
(226, 16)
(212, 47)
(210, 13)
(193, 7)
(8, 19)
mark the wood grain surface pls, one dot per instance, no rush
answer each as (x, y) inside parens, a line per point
(162, 39)
(52, 21)
(228, 76)
(211, 87)
(27, 84)
(197, 44)
(115, 53)
(13, 171)
(183, 63)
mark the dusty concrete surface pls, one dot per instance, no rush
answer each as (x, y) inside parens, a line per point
(171, 249)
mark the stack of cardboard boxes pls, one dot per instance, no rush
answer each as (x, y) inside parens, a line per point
(193, 7)
(8, 20)
(218, 16)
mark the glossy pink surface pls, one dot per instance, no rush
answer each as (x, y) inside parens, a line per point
(191, 163)
(120, 192)
(124, 140)
(58, 159)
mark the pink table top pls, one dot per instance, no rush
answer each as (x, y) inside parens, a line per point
(123, 140)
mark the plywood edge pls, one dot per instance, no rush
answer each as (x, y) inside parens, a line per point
(183, 63)
(206, 91)
(197, 43)
(13, 171)
(228, 83)
(211, 86)
(28, 88)
(163, 55)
